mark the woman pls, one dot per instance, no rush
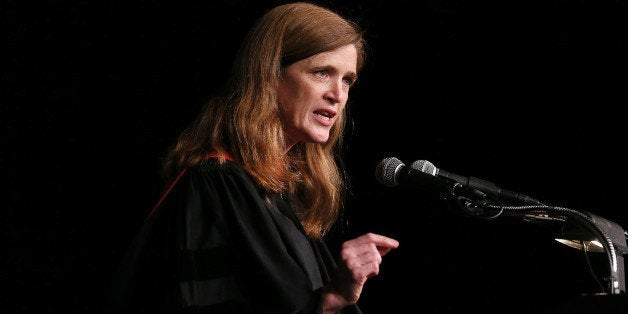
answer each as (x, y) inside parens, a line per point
(255, 186)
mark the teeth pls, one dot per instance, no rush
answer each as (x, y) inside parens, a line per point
(323, 114)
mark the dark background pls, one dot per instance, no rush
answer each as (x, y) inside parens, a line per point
(530, 95)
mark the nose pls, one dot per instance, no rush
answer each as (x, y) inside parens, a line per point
(337, 92)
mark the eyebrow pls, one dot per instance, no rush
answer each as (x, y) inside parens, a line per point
(353, 75)
(329, 67)
(350, 74)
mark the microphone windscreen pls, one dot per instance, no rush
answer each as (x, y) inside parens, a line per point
(425, 166)
(387, 169)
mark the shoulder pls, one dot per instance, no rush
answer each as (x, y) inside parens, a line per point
(213, 167)
(221, 177)
(214, 164)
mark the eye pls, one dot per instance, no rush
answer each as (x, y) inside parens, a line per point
(322, 73)
(348, 81)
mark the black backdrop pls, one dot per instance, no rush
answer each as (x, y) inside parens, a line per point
(530, 95)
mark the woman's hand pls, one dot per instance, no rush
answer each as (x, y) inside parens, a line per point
(359, 260)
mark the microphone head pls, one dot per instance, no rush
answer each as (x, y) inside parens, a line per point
(386, 171)
(425, 166)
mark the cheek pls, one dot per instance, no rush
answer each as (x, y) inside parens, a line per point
(295, 103)
(295, 112)
(285, 98)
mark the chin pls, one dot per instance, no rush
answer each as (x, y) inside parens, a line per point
(318, 136)
(319, 139)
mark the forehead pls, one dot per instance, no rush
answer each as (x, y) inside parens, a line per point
(345, 58)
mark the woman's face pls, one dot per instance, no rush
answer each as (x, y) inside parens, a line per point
(313, 92)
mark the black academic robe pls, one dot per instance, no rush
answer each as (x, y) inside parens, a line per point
(215, 245)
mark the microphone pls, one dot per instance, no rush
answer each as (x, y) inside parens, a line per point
(490, 189)
(392, 172)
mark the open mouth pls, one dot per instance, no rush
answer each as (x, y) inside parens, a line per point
(326, 114)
